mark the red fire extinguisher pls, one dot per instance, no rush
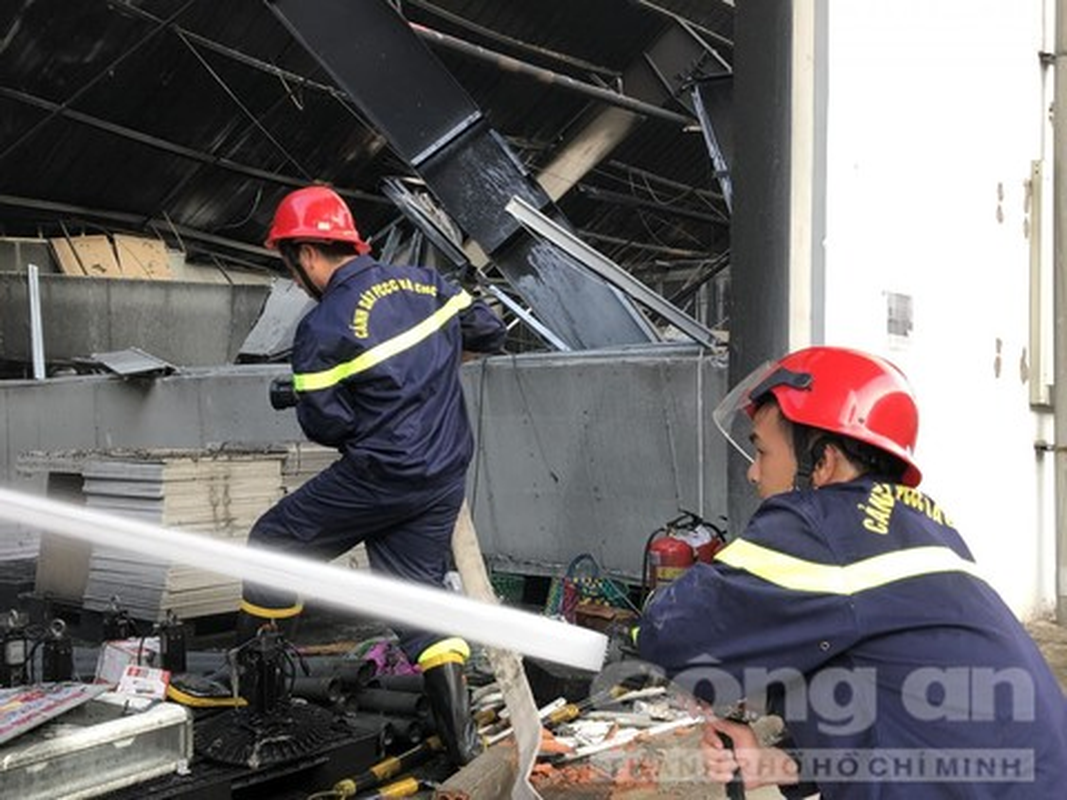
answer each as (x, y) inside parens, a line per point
(677, 546)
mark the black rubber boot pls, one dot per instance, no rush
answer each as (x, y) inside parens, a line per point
(446, 689)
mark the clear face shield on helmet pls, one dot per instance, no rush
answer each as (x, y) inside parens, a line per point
(733, 416)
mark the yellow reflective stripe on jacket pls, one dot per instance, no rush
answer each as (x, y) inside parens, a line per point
(310, 381)
(809, 576)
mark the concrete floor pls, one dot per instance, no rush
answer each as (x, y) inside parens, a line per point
(1052, 639)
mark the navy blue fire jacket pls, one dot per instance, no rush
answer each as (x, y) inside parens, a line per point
(376, 368)
(858, 612)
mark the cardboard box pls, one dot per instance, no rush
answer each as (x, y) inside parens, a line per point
(117, 655)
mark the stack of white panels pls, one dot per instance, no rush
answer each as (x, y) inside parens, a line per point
(217, 494)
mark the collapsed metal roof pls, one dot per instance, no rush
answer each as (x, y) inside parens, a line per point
(190, 119)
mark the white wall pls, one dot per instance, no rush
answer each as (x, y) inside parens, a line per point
(934, 112)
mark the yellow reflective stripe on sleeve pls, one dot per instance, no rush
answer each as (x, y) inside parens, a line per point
(310, 381)
(794, 573)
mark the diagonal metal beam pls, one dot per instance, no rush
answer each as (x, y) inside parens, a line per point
(431, 227)
(509, 41)
(135, 220)
(510, 64)
(537, 222)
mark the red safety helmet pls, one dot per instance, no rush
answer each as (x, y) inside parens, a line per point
(835, 389)
(315, 213)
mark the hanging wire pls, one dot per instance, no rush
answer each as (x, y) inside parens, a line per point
(286, 77)
(705, 197)
(175, 232)
(647, 186)
(298, 102)
(247, 112)
(247, 217)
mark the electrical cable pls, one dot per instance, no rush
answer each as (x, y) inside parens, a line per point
(247, 112)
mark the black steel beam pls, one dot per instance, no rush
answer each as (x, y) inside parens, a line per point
(433, 124)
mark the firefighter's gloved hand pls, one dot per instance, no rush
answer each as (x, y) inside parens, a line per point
(282, 394)
(622, 642)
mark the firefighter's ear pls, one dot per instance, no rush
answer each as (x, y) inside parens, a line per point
(833, 466)
(827, 463)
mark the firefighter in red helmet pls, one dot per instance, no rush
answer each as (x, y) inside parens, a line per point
(315, 214)
(376, 375)
(860, 400)
(851, 607)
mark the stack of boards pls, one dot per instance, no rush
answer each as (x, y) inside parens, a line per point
(218, 495)
(207, 492)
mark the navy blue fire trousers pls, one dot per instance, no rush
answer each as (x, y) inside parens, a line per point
(407, 531)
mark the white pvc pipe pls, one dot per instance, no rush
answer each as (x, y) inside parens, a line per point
(1059, 306)
(361, 592)
(36, 324)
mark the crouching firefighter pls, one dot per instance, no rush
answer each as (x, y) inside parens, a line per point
(376, 375)
(851, 607)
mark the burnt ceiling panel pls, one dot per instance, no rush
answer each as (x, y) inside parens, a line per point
(201, 114)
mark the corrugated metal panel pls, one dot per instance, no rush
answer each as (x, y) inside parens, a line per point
(589, 453)
(576, 453)
(186, 324)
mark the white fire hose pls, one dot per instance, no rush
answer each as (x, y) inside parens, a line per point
(361, 592)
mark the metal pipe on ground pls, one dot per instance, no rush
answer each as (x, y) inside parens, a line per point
(389, 768)
(409, 730)
(398, 683)
(373, 723)
(324, 690)
(402, 704)
(349, 672)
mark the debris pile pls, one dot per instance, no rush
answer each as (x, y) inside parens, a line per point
(619, 742)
